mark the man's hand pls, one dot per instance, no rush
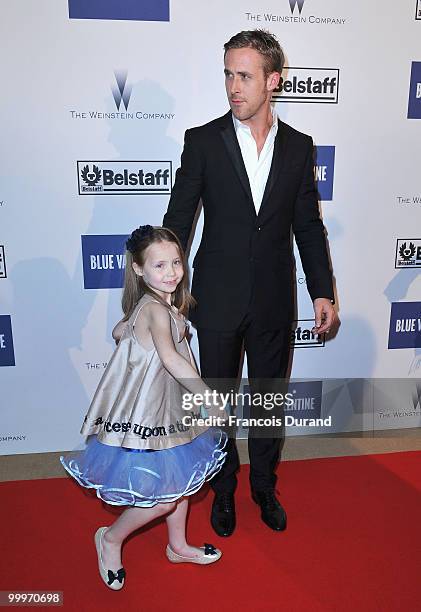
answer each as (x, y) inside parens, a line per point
(324, 315)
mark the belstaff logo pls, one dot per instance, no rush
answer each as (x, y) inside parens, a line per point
(408, 253)
(302, 335)
(123, 91)
(124, 177)
(91, 177)
(308, 85)
(3, 273)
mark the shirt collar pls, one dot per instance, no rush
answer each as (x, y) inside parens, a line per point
(238, 125)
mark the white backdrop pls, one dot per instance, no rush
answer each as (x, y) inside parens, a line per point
(58, 74)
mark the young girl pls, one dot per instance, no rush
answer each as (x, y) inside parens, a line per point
(140, 454)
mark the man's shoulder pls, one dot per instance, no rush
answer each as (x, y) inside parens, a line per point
(210, 127)
(296, 137)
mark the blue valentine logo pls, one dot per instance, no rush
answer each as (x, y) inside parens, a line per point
(130, 10)
(303, 400)
(414, 101)
(405, 325)
(324, 171)
(307, 399)
(7, 352)
(103, 261)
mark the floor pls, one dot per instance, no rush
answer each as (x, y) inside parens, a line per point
(47, 465)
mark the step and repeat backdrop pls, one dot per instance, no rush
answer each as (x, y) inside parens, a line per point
(96, 96)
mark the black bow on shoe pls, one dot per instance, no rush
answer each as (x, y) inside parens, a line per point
(119, 575)
(210, 549)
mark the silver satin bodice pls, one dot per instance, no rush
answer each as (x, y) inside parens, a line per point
(138, 403)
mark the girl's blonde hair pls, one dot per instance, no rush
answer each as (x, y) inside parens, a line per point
(134, 285)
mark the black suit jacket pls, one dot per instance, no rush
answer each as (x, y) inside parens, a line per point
(244, 260)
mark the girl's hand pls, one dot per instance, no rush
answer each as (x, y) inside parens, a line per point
(215, 409)
(118, 331)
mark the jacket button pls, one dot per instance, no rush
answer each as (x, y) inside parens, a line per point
(259, 228)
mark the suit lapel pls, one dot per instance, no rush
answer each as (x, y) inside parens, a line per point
(230, 139)
(278, 160)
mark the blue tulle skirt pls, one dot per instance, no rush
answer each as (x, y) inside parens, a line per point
(129, 477)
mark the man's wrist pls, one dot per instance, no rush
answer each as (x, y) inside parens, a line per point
(324, 298)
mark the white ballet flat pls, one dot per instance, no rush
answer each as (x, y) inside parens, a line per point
(210, 555)
(113, 580)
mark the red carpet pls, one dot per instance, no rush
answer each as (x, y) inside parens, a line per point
(353, 543)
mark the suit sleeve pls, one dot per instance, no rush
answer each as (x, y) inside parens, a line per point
(186, 192)
(310, 235)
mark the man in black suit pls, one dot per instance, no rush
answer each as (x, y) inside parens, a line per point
(255, 177)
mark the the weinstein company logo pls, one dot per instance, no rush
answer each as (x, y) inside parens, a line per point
(298, 14)
(123, 90)
(416, 396)
(294, 3)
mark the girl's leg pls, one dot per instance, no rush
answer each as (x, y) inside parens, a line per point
(130, 520)
(176, 523)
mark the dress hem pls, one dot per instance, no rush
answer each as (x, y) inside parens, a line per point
(115, 494)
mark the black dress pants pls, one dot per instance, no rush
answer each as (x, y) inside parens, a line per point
(267, 358)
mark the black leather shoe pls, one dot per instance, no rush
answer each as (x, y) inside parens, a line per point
(223, 514)
(273, 514)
